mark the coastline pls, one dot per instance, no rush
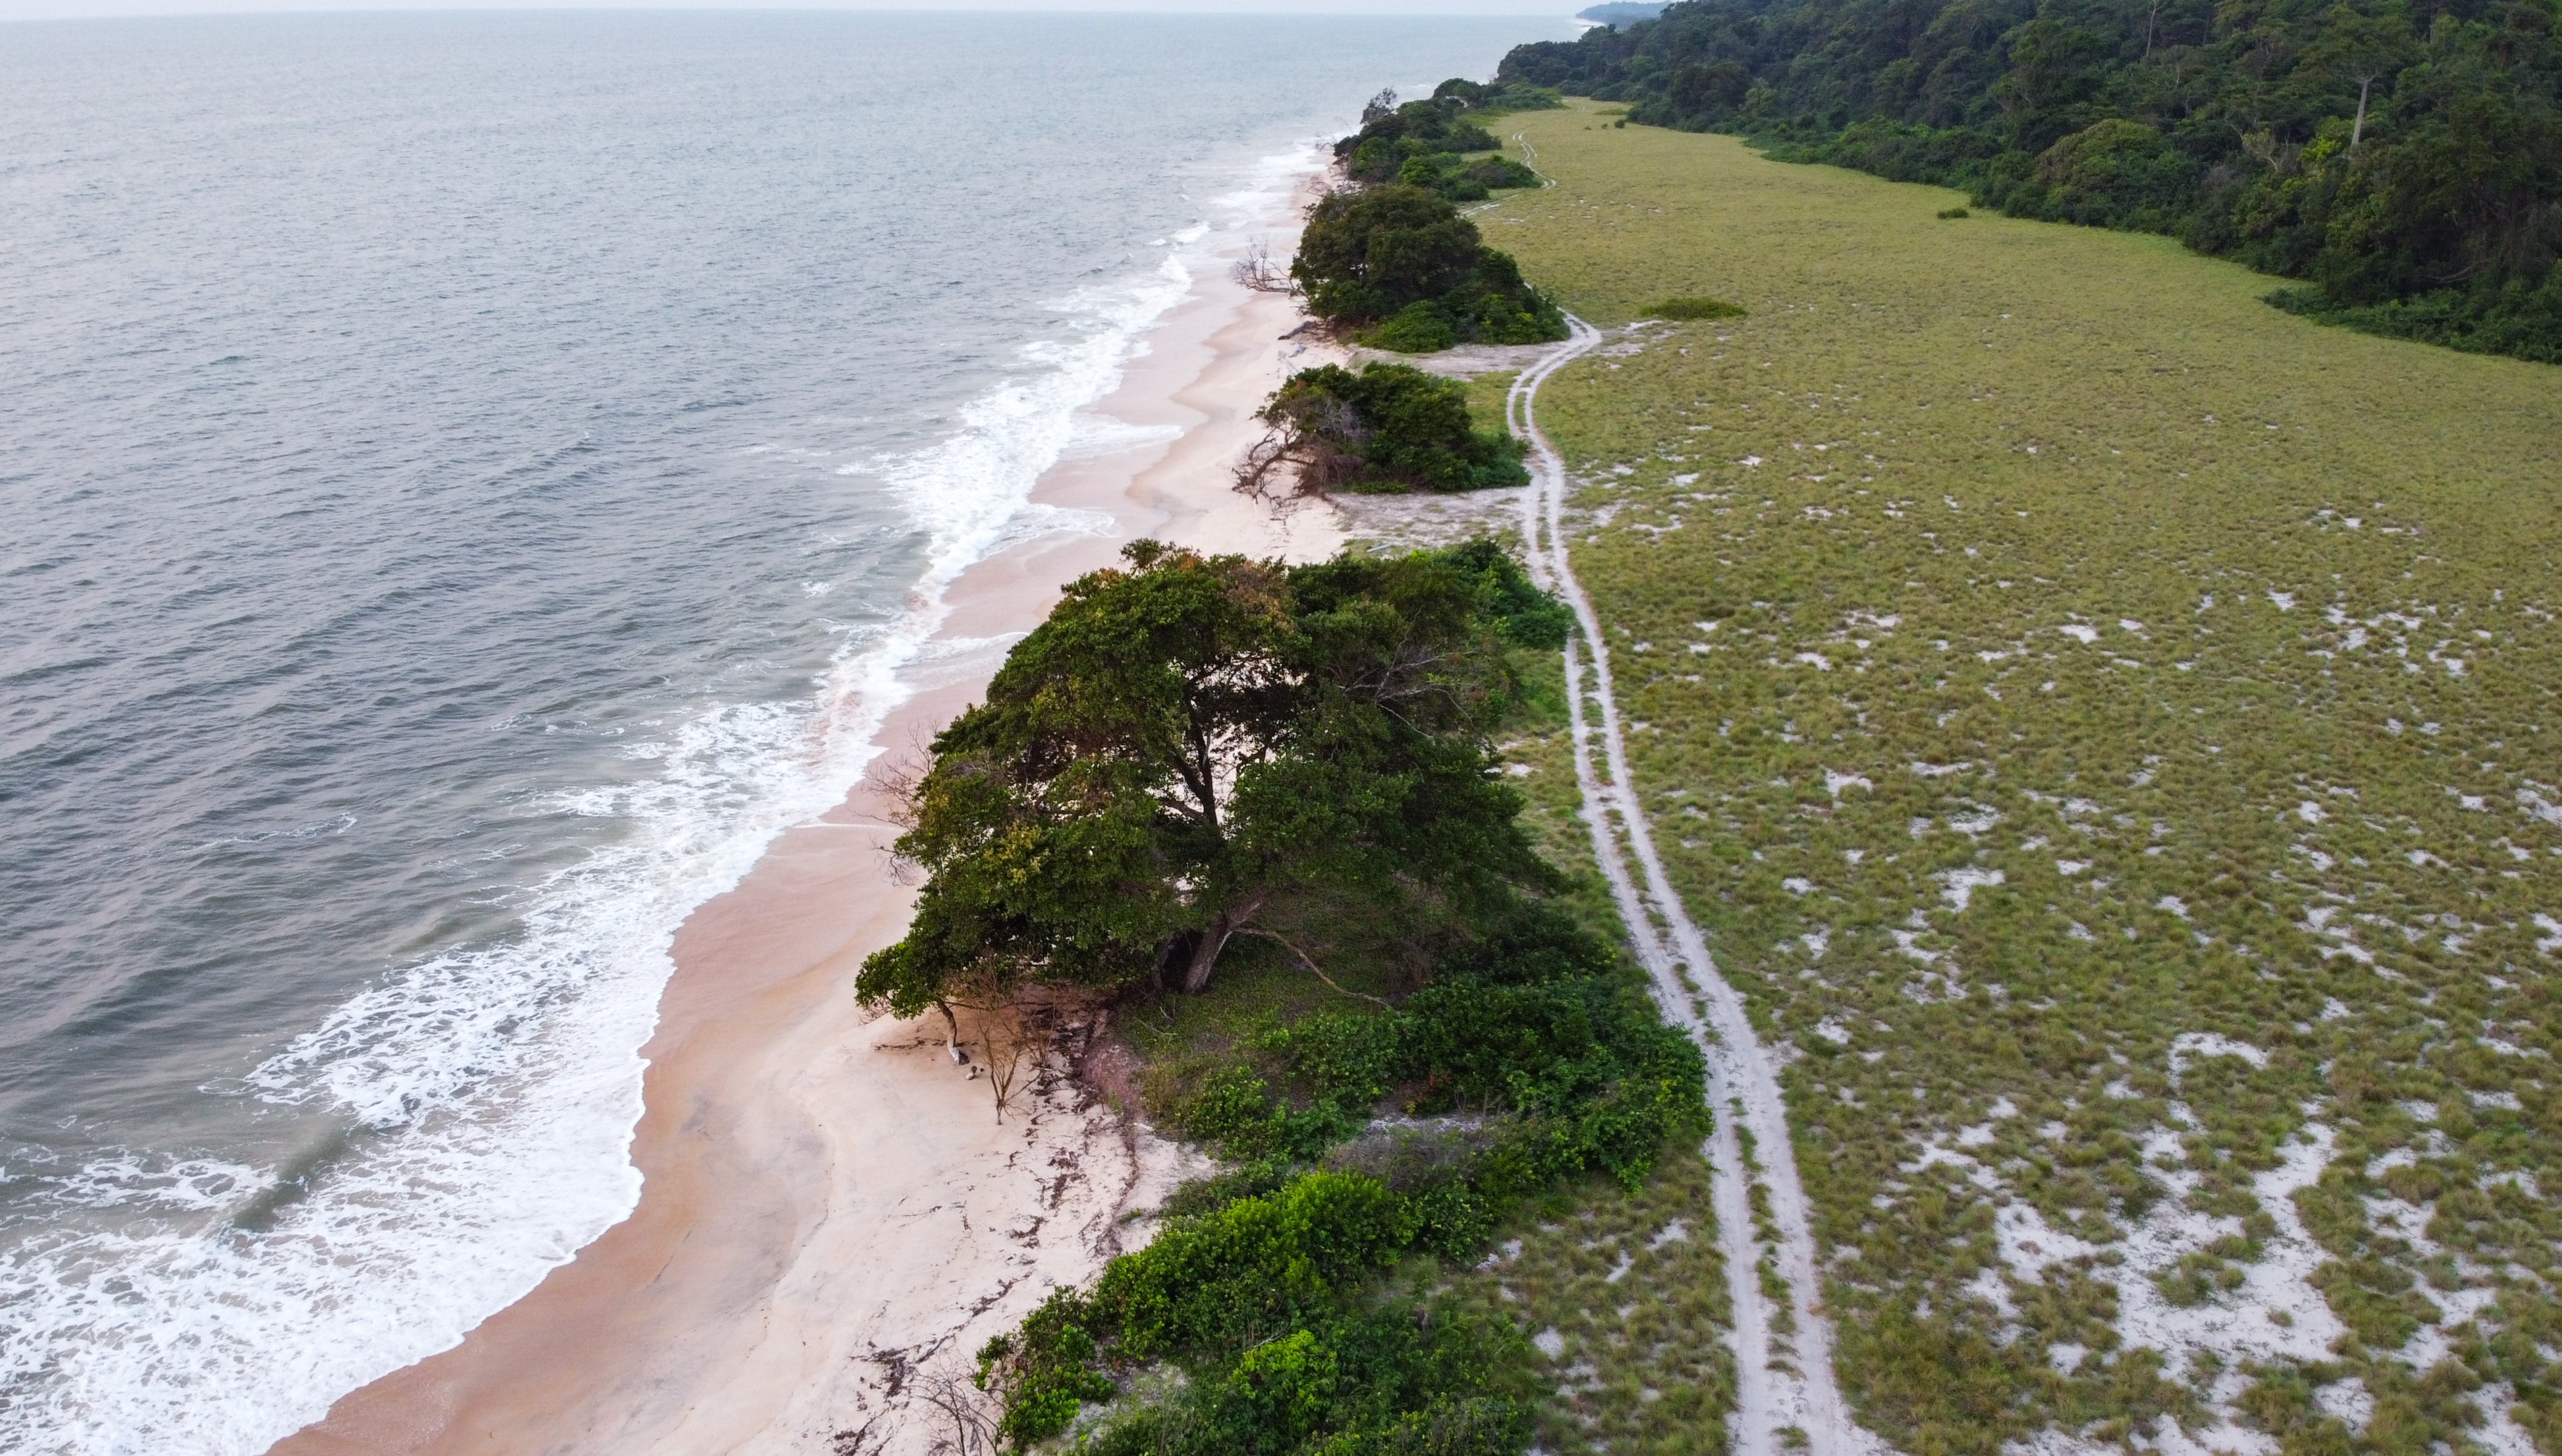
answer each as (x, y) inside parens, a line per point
(831, 1218)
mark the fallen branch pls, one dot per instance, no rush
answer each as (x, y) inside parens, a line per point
(1304, 959)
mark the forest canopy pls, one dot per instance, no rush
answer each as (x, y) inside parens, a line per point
(2402, 160)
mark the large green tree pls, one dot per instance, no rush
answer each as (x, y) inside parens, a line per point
(1191, 742)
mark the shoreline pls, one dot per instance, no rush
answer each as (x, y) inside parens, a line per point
(832, 1219)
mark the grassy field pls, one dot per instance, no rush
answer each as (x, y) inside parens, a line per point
(2098, 720)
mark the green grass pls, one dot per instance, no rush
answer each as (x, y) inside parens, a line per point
(2321, 829)
(1635, 1294)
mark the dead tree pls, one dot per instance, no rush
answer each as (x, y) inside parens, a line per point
(1258, 272)
(1313, 445)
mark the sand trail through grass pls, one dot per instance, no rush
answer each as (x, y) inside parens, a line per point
(1787, 1395)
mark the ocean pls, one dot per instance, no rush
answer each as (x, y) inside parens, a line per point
(470, 480)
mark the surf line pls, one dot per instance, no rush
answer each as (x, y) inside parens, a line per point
(1787, 1395)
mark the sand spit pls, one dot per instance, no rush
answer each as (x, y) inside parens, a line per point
(833, 1220)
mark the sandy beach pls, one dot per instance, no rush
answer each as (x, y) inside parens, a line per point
(832, 1218)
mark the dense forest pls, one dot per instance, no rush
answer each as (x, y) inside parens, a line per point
(2402, 161)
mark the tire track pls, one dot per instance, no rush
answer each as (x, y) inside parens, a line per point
(1787, 1393)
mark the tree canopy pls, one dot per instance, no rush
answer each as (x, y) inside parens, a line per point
(2403, 158)
(1427, 144)
(1404, 255)
(1190, 741)
(1389, 428)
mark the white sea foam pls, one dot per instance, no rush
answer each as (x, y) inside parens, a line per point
(494, 1090)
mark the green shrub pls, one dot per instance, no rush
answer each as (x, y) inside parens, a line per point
(1420, 327)
(1955, 211)
(1266, 1283)
(1370, 254)
(1695, 307)
(1389, 428)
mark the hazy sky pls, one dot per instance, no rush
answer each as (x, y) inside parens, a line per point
(74, 9)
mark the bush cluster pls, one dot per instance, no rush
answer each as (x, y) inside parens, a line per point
(2406, 164)
(1429, 144)
(1389, 428)
(1266, 1287)
(1403, 255)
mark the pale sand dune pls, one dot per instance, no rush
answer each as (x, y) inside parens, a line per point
(833, 1221)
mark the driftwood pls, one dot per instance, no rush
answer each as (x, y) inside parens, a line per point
(1259, 272)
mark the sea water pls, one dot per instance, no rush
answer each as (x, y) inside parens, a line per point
(466, 482)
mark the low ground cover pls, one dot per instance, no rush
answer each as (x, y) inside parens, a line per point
(2100, 721)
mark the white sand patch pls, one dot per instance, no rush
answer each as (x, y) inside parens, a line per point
(2028, 1243)
(2236, 1325)
(1834, 783)
(1992, 1289)
(1977, 820)
(1549, 1343)
(2347, 1400)
(1831, 1030)
(1961, 884)
(1941, 770)
(1934, 1153)
(2080, 633)
(1797, 886)
(2227, 1438)
(2070, 867)
(2188, 1046)
(2500, 1432)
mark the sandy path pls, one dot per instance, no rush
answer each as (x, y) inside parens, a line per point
(1781, 1381)
(833, 1220)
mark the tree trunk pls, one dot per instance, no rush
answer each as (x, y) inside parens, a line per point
(952, 1025)
(2358, 128)
(1176, 951)
(1206, 954)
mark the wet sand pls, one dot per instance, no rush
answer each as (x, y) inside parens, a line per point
(833, 1220)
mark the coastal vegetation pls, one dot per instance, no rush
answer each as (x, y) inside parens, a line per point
(1193, 743)
(2402, 161)
(1389, 427)
(2098, 721)
(1424, 1034)
(1400, 261)
(1435, 144)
